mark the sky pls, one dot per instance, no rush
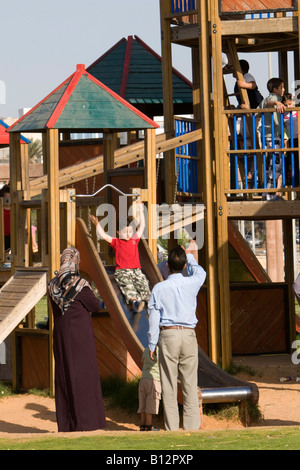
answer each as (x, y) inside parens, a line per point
(43, 41)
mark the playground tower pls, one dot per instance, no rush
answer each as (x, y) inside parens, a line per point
(228, 147)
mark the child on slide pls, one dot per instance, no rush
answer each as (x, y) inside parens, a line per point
(128, 274)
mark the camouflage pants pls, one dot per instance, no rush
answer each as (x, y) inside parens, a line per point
(133, 284)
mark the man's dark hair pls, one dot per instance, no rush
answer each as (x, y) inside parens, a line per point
(244, 64)
(176, 260)
(274, 83)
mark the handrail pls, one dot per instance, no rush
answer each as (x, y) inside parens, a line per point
(259, 147)
(101, 189)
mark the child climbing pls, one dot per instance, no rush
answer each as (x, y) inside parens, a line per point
(128, 274)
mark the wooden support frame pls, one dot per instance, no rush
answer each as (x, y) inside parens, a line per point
(210, 230)
(150, 165)
(1, 231)
(221, 202)
(169, 157)
(52, 162)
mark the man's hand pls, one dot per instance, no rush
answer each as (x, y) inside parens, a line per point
(152, 355)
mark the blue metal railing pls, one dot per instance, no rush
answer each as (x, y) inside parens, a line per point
(186, 159)
(181, 6)
(267, 154)
(184, 6)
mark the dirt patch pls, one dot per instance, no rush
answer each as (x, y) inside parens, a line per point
(32, 415)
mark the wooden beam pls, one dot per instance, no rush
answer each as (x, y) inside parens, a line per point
(150, 165)
(166, 49)
(52, 162)
(1, 231)
(123, 156)
(258, 27)
(258, 210)
(221, 202)
(210, 230)
(239, 75)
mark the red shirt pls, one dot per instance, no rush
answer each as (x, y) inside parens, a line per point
(127, 252)
(6, 213)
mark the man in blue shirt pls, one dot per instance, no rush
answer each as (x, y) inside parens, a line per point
(172, 320)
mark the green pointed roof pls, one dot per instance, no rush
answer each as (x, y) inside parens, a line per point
(134, 71)
(82, 103)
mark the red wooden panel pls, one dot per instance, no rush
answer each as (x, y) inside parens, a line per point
(259, 319)
(34, 351)
(251, 6)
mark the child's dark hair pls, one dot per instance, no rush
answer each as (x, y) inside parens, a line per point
(244, 65)
(125, 222)
(4, 189)
(287, 97)
(274, 83)
(176, 259)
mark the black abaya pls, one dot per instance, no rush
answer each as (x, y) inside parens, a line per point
(78, 396)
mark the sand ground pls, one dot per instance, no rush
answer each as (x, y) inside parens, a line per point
(33, 416)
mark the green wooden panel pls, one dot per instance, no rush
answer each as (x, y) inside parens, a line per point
(92, 107)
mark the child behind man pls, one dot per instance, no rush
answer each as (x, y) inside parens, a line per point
(128, 274)
(149, 391)
(273, 137)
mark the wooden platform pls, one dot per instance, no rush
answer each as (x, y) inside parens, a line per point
(257, 35)
(19, 295)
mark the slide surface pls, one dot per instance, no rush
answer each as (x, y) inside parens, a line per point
(215, 384)
(19, 295)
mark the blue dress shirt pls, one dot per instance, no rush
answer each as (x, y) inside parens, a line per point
(174, 301)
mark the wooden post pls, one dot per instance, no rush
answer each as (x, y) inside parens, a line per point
(210, 232)
(15, 185)
(221, 201)
(1, 231)
(52, 156)
(69, 217)
(169, 157)
(238, 70)
(108, 164)
(150, 164)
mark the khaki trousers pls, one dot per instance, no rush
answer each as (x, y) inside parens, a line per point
(178, 359)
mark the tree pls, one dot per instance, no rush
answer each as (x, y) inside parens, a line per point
(35, 150)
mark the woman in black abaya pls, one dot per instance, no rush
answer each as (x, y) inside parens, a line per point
(78, 396)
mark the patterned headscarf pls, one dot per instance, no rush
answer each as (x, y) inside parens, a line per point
(64, 287)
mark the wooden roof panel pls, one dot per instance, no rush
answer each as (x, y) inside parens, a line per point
(250, 6)
(139, 72)
(82, 102)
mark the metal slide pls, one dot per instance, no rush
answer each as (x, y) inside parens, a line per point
(216, 385)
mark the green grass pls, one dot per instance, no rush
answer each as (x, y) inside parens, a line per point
(124, 394)
(41, 311)
(245, 439)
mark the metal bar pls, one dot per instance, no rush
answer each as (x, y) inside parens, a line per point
(103, 187)
(226, 395)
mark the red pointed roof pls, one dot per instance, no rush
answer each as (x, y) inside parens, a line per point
(4, 135)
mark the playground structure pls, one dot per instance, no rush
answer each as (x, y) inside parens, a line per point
(224, 156)
(205, 162)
